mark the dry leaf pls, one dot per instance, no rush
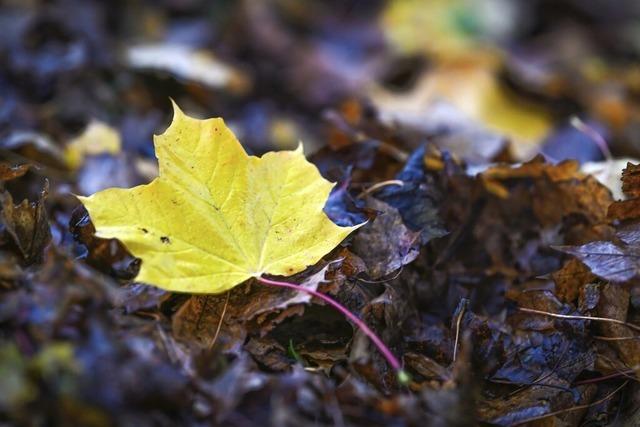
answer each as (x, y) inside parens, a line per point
(186, 63)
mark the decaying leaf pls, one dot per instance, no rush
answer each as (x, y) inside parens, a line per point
(628, 209)
(617, 259)
(26, 224)
(256, 307)
(614, 304)
(9, 171)
(608, 260)
(570, 279)
(608, 173)
(215, 216)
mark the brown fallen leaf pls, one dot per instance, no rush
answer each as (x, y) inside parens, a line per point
(426, 367)
(614, 304)
(269, 353)
(608, 172)
(618, 258)
(560, 189)
(251, 309)
(611, 261)
(570, 279)
(27, 225)
(387, 314)
(629, 208)
(10, 171)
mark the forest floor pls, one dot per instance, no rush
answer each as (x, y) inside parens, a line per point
(489, 145)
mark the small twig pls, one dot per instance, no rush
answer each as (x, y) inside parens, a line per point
(393, 151)
(380, 185)
(536, 383)
(627, 374)
(395, 276)
(574, 408)
(224, 311)
(601, 338)
(455, 344)
(600, 142)
(571, 317)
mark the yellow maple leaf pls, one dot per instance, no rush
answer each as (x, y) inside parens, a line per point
(215, 216)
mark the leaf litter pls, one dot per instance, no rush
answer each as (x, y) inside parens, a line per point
(504, 282)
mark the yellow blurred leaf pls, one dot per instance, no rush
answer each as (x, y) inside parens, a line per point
(216, 216)
(97, 138)
(447, 28)
(508, 114)
(414, 26)
(470, 85)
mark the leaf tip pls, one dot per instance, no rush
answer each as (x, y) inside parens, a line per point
(177, 111)
(80, 198)
(174, 105)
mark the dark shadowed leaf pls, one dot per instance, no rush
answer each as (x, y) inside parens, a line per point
(342, 208)
(417, 200)
(386, 243)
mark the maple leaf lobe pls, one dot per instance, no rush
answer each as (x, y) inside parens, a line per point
(215, 216)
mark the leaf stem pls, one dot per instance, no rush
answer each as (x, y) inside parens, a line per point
(594, 135)
(393, 361)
